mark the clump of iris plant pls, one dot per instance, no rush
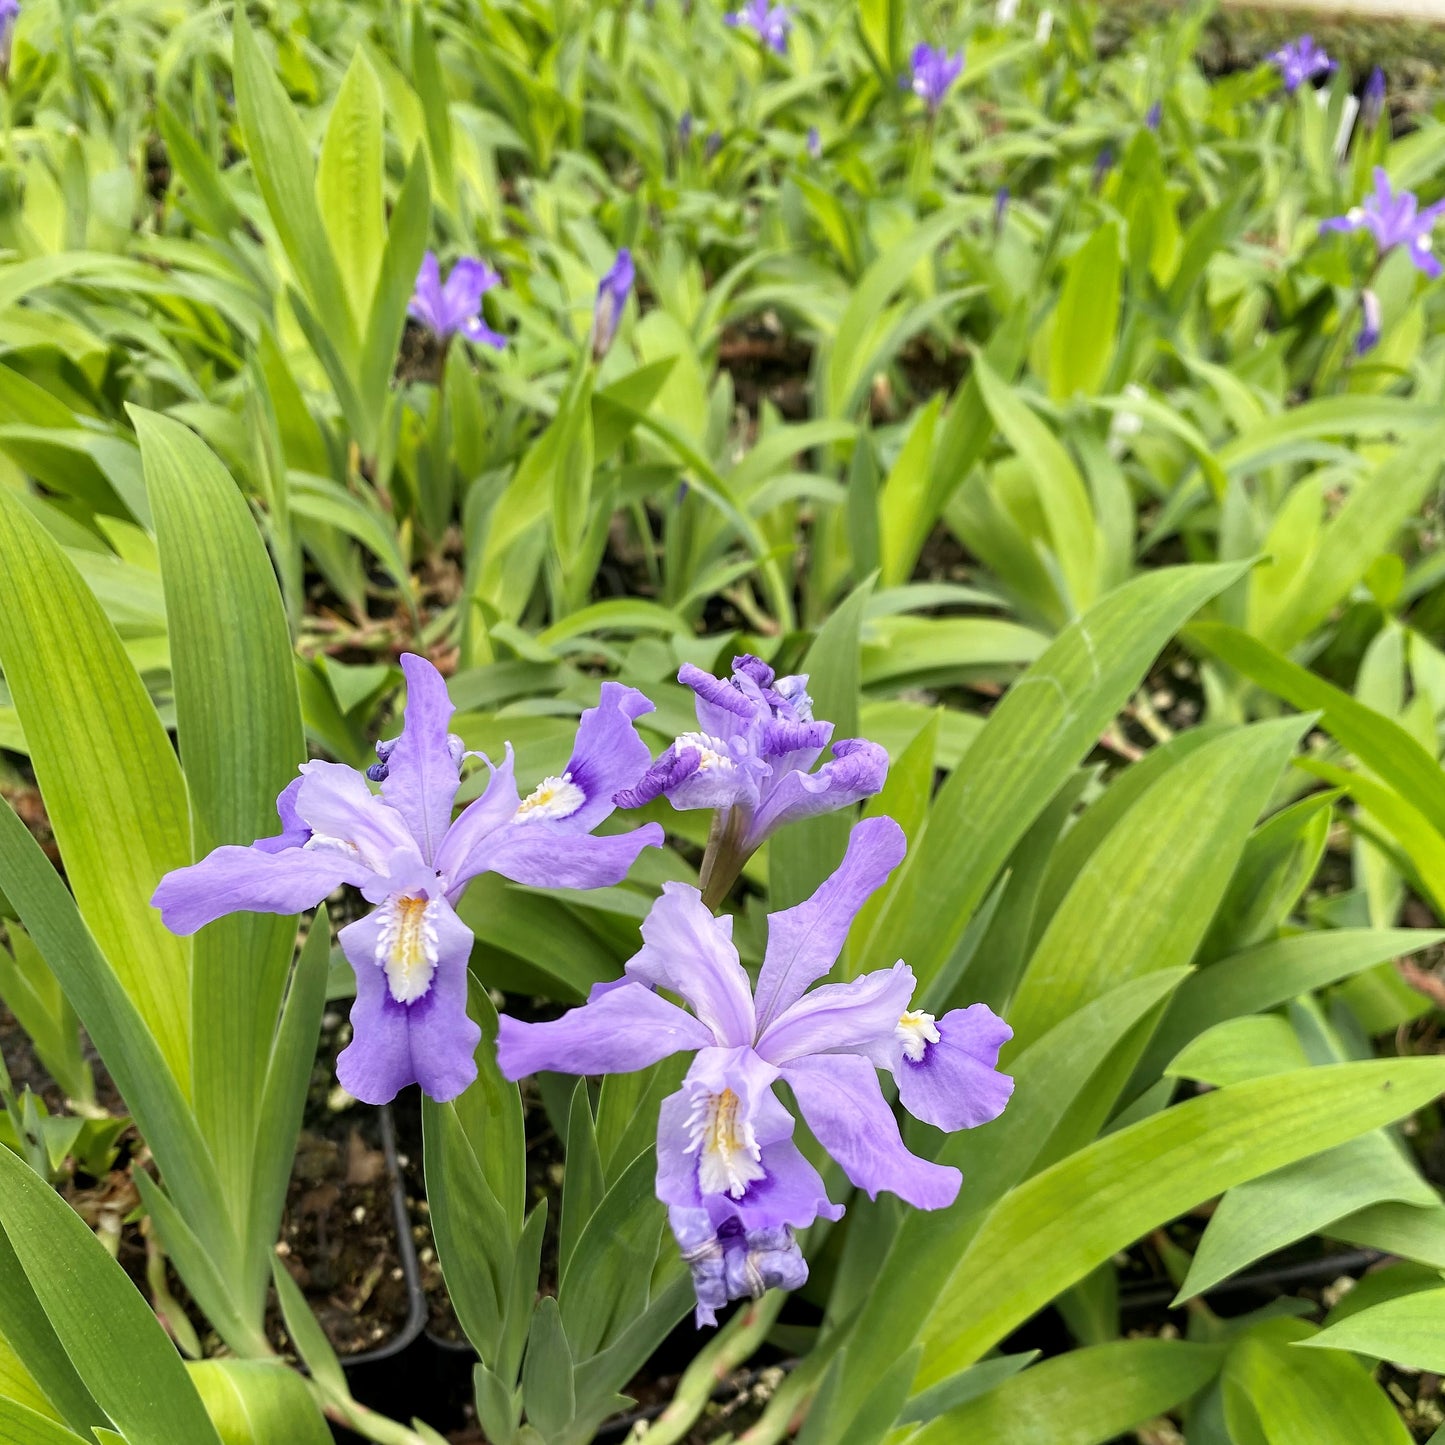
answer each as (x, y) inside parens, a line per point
(933, 73)
(402, 849)
(751, 762)
(1300, 61)
(1395, 218)
(735, 1184)
(455, 306)
(612, 293)
(770, 23)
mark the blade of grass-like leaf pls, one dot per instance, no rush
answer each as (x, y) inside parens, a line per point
(1086, 1397)
(20, 1425)
(251, 1401)
(115, 1342)
(1051, 1231)
(1408, 1330)
(109, 776)
(1032, 741)
(238, 725)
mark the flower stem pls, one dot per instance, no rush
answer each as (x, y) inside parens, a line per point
(733, 1344)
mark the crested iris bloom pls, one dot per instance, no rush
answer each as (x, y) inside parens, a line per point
(934, 72)
(612, 293)
(408, 858)
(814, 143)
(771, 23)
(455, 306)
(1372, 107)
(1371, 323)
(1395, 219)
(734, 1183)
(752, 756)
(1301, 60)
(1155, 115)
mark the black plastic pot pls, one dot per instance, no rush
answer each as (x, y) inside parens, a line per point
(386, 1379)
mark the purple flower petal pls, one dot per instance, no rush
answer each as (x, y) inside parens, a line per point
(698, 771)
(429, 1040)
(723, 709)
(616, 1031)
(422, 767)
(343, 813)
(689, 952)
(840, 1098)
(426, 304)
(804, 941)
(551, 855)
(608, 755)
(858, 770)
(840, 1016)
(294, 832)
(956, 1084)
(612, 293)
(230, 879)
(476, 330)
(478, 821)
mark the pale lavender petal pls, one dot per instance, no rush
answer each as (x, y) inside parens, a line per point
(549, 855)
(470, 279)
(616, 1031)
(231, 879)
(476, 823)
(608, 755)
(426, 302)
(343, 812)
(1425, 258)
(841, 1016)
(294, 832)
(431, 1041)
(689, 952)
(804, 941)
(698, 771)
(723, 709)
(476, 330)
(1342, 223)
(858, 770)
(422, 772)
(956, 1084)
(844, 1106)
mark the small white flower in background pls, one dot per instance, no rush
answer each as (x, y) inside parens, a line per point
(1005, 11)
(1126, 425)
(1044, 28)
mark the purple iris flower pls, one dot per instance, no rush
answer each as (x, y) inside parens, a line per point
(934, 72)
(1103, 164)
(711, 145)
(1301, 60)
(735, 1184)
(1395, 219)
(612, 293)
(814, 143)
(1000, 209)
(1372, 107)
(9, 14)
(457, 305)
(407, 856)
(1154, 115)
(752, 756)
(1371, 323)
(770, 22)
(684, 129)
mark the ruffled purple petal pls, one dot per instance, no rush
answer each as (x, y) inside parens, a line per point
(689, 952)
(723, 709)
(232, 879)
(844, 1106)
(618, 1030)
(476, 823)
(804, 941)
(422, 766)
(698, 771)
(431, 1041)
(730, 1262)
(294, 832)
(956, 1084)
(841, 1016)
(343, 812)
(858, 770)
(608, 755)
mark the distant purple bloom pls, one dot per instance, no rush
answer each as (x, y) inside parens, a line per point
(1000, 209)
(9, 14)
(1301, 60)
(406, 855)
(753, 754)
(1372, 107)
(735, 1184)
(1103, 164)
(771, 23)
(1371, 323)
(457, 305)
(711, 145)
(934, 72)
(1395, 219)
(612, 293)
(684, 129)
(814, 143)
(1155, 115)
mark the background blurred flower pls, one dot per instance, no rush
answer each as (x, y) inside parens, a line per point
(1394, 218)
(934, 72)
(1301, 60)
(771, 23)
(612, 293)
(456, 306)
